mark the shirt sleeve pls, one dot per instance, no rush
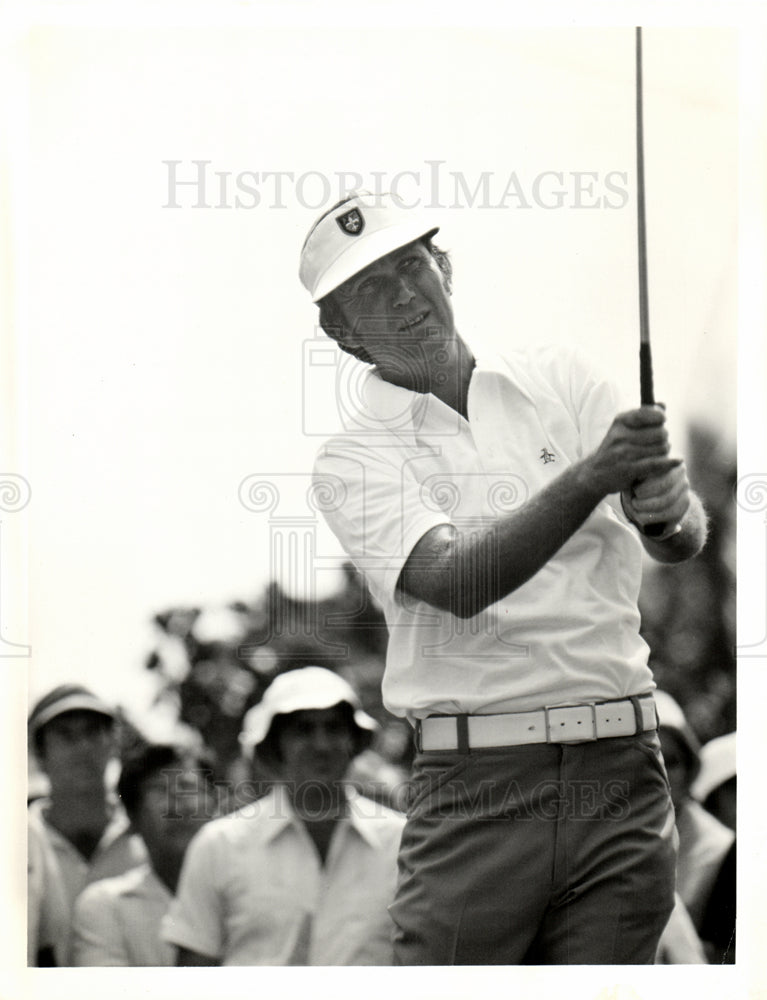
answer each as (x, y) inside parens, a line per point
(374, 504)
(594, 397)
(195, 919)
(48, 915)
(97, 938)
(595, 401)
(34, 895)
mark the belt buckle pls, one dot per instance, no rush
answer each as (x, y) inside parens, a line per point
(547, 709)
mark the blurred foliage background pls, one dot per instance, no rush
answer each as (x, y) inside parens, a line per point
(213, 664)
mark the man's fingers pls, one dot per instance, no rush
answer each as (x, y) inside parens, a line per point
(647, 436)
(653, 487)
(649, 467)
(671, 513)
(669, 485)
(644, 416)
(651, 505)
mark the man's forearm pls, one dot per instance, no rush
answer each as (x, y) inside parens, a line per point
(465, 572)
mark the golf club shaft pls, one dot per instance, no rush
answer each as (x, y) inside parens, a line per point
(647, 392)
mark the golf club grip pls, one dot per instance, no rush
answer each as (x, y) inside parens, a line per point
(646, 389)
(648, 399)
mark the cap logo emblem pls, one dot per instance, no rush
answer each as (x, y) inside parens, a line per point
(351, 223)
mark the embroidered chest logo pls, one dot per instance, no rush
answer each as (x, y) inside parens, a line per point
(547, 456)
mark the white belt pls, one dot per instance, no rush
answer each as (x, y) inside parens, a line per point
(559, 724)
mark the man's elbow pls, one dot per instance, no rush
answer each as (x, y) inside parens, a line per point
(460, 598)
(450, 573)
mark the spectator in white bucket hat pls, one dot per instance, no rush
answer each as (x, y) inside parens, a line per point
(304, 875)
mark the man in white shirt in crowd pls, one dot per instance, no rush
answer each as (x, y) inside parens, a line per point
(303, 875)
(499, 509)
(704, 841)
(166, 793)
(79, 833)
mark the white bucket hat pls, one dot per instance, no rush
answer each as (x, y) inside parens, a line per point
(717, 765)
(344, 240)
(296, 691)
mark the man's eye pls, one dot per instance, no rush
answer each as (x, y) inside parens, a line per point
(367, 287)
(411, 264)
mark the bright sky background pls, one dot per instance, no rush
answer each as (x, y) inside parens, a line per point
(163, 356)
(157, 355)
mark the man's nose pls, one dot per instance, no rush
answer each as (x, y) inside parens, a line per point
(403, 293)
(188, 804)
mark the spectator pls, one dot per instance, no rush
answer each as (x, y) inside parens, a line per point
(718, 922)
(303, 875)
(79, 833)
(716, 789)
(680, 943)
(704, 842)
(716, 784)
(167, 797)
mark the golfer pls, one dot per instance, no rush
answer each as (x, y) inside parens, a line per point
(498, 510)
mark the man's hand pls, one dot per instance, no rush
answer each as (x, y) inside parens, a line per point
(659, 499)
(666, 499)
(635, 449)
(464, 572)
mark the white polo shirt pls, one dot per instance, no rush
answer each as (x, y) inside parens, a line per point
(117, 922)
(253, 891)
(58, 873)
(408, 462)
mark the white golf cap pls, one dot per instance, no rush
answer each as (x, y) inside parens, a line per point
(355, 232)
(299, 690)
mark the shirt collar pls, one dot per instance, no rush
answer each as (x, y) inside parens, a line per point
(404, 410)
(277, 805)
(117, 826)
(513, 368)
(146, 884)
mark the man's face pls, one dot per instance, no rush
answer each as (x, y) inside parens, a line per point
(316, 747)
(75, 750)
(399, 310)
(175, 802)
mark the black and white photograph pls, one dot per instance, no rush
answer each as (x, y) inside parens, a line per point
(383, 500)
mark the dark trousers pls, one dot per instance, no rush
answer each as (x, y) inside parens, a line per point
(545, 854)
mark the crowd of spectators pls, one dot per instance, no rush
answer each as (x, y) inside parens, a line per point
(156, 867)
